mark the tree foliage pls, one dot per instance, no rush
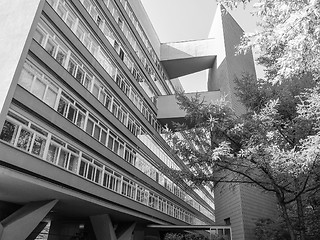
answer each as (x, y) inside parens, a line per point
(275, 146)
(268, 229)
(287, 41)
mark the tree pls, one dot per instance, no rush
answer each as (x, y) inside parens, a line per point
(268, 229)
(275, 146)
(192, 236)
(288, 37)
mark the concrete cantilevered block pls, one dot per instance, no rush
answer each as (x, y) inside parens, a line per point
(183, 58)
(169, 109)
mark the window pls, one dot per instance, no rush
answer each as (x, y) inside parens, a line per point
(111, 139)
(38, 88)
(39, 143)
(99, 21)
(61, 56)
(87, 82)
(79, 75)
(70, 21)
(130, 155)
(83, 168)
(51, 96)
(121, 54)
(86, 4)
(9, 132)
(52, 2)
(115, 108)
(90, 125)
(72, 67)
(96, 133)
(52, 152)
(87, 41)
(95, 90)
(80, 32)
(24, 139)
(61, 10)
(51, 47)
(63, 157)
(26, 78)
(103, 138)
(39, 36)
(120, 22)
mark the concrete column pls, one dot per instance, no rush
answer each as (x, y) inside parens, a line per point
(127, 233)
(21, 223)
(37, 231)
(102, 227)
(138, 232)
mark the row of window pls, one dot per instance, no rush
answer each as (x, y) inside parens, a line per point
(144, 39)
(66, 12)
(36, 82)
(27, 136)
(45, 36)
(101, 21)
(125, 28)
(82, 75)
(74, 69)
(48, 39)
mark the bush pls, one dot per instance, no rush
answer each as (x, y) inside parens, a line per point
(192, 236)
(267, 229)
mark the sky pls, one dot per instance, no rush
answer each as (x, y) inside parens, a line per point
(176, 20)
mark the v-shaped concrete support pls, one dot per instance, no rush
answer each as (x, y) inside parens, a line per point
(104, 230)
(102, 227)
(21, 223)
(127, 233)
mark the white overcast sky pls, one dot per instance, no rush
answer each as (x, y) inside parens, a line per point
(176, 20)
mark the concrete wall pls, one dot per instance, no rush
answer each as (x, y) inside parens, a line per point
(244, 205)
(228, 205)
(228, 65)
(255, 205)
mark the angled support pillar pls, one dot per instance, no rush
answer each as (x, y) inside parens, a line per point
(126, 234)
(21, 223)
(102, 227)
(37, 231)
(138, 232)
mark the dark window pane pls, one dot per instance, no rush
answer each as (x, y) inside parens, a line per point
(80, 75)
(52, 153)
(63, 158)
(89, 127)
(8, 132)
(38, 146)
(62, 106)
(71, 113)
(71, 67)
(96, 132)
(73, 164)
(24, 139)
(83, 168)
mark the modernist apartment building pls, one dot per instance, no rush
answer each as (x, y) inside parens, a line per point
(85, 86)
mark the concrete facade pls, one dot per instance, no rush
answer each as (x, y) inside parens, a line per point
(85, 87)
(80, 148)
